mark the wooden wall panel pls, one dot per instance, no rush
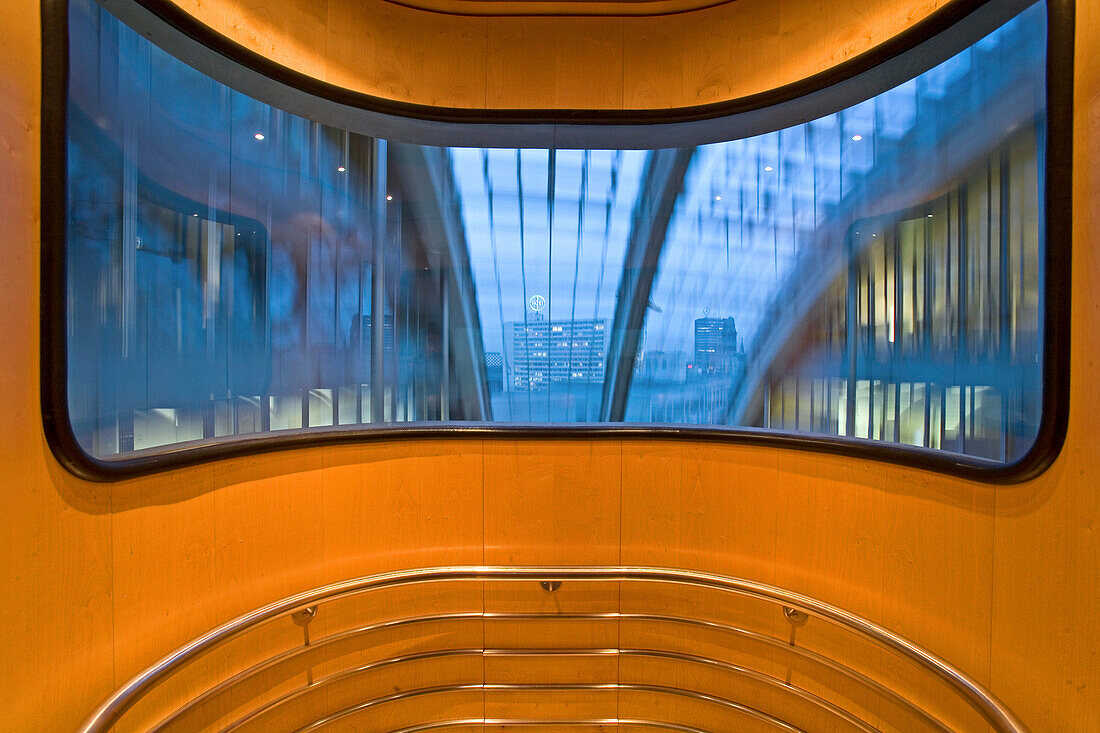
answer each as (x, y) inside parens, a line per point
(574, 62)
(552, 502)
(371, 499)
(291, 34)
(920, 522)
(182, 566)
(1046, 581)
(58, 634)
(57, 641)
(268, 528)
(441, 61)
(730, 50)
(392, 505)
(452, 510)
(833, 516)
(702, 506)
(165, 591)
(666, 71)
(101, 579)
(817, 34)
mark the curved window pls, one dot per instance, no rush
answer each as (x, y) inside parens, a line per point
(234, 275)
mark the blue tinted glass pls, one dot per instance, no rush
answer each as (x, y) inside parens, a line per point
(236, 270)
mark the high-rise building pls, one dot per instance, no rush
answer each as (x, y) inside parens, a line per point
(538, 353)
(494, 370)
(716, 347)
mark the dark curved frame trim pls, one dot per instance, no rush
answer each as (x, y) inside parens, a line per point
(578, 13)
(945, 32)
(936, 38)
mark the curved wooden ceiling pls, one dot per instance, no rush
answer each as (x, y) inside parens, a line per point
(496, 8)
(389, 49)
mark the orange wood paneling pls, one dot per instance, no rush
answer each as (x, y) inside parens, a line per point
(393, 505)
(700, 505)
(452, 512)
(268, 528)
(817, 34)
(293, 34)
(724, 59)
(707, 55)
(371, 501)
(833, 516)
(1046, 566)
(552, 502)
(56, 598)
(920, 521)
(830, 543)
(384, 58)
(556, 62)
(164, 593)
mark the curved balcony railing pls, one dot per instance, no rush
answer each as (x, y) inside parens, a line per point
(550, 647)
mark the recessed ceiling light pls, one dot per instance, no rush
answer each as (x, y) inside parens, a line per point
(341, 169)
(717, 198)
(929, 216)
(389, 197)
(194, 215)
(259, 136)
(768, 168)
(857, 138)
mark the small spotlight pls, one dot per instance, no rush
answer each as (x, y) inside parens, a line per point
(389, 197)
(259, 136)
(857, 138)
(929, 216)
(194, 215)
(717, 198)
(874, 235)
(767, 169)
(341, 169)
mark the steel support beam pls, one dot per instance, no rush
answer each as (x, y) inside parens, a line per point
(662, 182)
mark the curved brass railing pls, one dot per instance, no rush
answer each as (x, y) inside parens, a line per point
(797, 608)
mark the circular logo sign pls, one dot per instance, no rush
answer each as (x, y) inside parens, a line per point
(537, 303)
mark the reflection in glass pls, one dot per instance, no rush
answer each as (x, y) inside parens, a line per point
(233, 269)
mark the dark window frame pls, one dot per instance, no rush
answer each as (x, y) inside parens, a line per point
(945, 32)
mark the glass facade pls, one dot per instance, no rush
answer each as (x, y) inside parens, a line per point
(875, 273)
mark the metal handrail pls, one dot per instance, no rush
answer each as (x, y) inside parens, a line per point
(998, 715)
(745, 710)
(538, 723)
(754, 636)
(343, 675)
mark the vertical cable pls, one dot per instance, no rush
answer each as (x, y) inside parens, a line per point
(496, 275)
(378, 283)
(576, 271)
(523, 278)
(551, 191)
